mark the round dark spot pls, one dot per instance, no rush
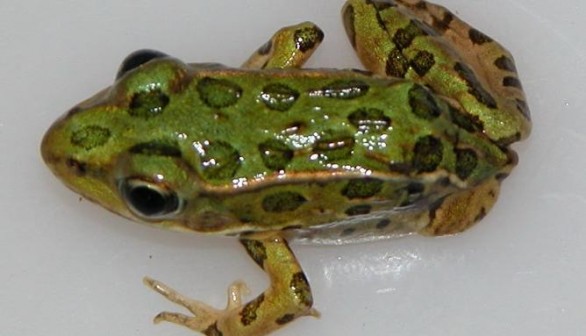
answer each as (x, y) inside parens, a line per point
(422, 103)
(405, 36)
(218, 93)
(249, 311)
(275, 154)
(285, 319)
(278, 97)
(362, 188)
(147, 104)
(306, 38)
(511, 81)
(383, 223)
(136, 59)
(157, 148)
(478, 37)
(90, 137)
(505, 63)
(256, 249)
(219, 160)
(332, 146)
(342, 89)
(283, 201)
(397, 65)
(300, 287)
(347, 232)
(423, 62)
(362, 209)
(427, 154)
(369, 119)
(147, 199)
(466, 162)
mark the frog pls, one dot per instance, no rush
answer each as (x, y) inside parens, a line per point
(418, 141)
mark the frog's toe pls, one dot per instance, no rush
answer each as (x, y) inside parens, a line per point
(236, 291)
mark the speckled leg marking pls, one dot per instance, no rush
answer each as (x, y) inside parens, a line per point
(290, 47)
(288, 296)
(404, 41)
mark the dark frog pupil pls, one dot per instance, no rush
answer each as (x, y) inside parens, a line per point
(150, 201)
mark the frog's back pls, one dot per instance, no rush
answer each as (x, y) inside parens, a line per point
(326, 155)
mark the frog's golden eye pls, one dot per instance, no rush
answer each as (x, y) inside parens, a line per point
(136, 59)
(149, 200)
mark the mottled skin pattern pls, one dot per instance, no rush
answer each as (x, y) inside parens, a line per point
(270, 152)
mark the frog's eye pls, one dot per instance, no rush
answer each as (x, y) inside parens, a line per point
(136, 59)
(149, 200)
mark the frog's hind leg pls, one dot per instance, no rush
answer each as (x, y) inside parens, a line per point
(426, 43)
(290, 47)
(288, 296)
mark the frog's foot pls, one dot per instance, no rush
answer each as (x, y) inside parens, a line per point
(287, 298)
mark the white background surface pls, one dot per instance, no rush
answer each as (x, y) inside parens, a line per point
(70, 268)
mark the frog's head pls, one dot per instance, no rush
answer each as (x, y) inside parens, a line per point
(103, 147)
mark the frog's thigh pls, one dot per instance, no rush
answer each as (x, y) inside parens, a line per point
(458, 212)
(290, 47)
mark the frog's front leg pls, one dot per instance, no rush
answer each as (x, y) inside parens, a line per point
(289, 47)
(288, 296)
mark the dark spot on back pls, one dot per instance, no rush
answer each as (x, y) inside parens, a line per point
(219, 160)
(90, 137)
(278, 97)
(362, 188)
(342, 89)
(275, 154)
(382, 4)
(361, 209)
(400, 167)
(157, 148)
(369, 119)
(148, 104)
(282, 202)
(347, 232)
(383, 223)
(218, 93)
(422, 103)
(427, 154)
(334, 146)
(466, 162)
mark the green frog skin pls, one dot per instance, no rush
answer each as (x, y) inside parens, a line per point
(270, 152)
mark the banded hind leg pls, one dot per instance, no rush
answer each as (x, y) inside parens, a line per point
(426, 43)
(288, 296)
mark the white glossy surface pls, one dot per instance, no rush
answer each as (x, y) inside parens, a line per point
(70, 268)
